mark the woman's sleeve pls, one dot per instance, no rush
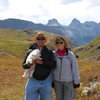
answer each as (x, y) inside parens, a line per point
(75, 70)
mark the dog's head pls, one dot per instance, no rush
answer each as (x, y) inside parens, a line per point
(36, 53)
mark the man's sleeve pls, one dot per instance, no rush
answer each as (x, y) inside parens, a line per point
(24, 65)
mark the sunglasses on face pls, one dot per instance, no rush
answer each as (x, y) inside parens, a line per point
(42, 38)
(59, 42)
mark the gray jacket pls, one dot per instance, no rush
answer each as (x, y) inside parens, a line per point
(67, 68)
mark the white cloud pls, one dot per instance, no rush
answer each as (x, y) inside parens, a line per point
(40, 11)
(69, 1)
(4, 3)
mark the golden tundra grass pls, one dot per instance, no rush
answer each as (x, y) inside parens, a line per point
(89, 72)
(12, 84)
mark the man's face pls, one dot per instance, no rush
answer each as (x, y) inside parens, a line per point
(40, 41)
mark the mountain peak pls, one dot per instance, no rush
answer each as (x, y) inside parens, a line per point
(75, 20)
(53, 22)
(75, 23)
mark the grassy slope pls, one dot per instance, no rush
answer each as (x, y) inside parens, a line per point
(13, 48)
(91, 51)
(17, 35)
(16, 42)
(13, 42)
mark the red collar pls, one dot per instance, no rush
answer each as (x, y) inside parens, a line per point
(61, 52)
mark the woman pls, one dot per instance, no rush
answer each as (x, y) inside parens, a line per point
(66, 76)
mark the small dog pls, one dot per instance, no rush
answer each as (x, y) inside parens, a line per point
(35, 54)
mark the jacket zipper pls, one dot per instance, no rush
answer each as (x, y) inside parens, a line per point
(60, 69)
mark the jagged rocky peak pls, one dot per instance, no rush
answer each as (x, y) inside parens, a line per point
(90, 24)
(75, 22)
(53, 22)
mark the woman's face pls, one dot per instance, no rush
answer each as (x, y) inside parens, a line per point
(60, 45)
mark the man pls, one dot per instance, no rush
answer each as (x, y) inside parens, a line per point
(40, 84)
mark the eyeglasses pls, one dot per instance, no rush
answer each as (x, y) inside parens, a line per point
(59, 42)
(42, 38)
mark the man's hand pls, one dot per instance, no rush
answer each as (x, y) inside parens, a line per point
(38, 61)
(31, 64)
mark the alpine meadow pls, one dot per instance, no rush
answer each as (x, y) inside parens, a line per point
(15, 43)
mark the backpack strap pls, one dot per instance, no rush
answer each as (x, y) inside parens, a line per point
(66, 51)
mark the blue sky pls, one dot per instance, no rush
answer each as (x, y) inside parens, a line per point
(40, 11)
